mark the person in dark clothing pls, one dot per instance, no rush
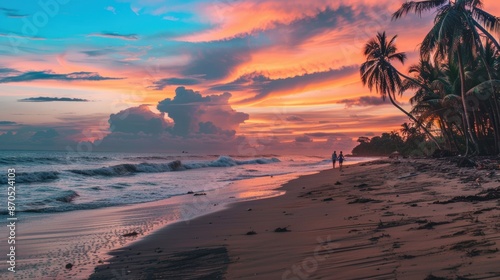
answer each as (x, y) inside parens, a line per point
(334, 158)
(341, 160)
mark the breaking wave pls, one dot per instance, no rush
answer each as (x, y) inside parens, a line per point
(177, 165)
(33, 177)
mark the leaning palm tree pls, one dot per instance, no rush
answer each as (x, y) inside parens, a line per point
(377, 72)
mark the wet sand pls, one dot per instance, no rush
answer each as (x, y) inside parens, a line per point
(48, 242)
(408, 219)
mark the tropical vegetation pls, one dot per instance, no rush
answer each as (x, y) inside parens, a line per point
(455, 85)
(408, 141)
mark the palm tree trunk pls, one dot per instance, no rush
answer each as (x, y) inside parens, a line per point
(477, 131)
(453, 136)
(446, 135)
(464, 102)
(415, 120)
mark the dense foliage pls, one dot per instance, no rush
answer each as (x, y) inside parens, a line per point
(456, 83)
(410, 142)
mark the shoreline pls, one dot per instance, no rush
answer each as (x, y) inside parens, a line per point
(83, 238)
(381, 219)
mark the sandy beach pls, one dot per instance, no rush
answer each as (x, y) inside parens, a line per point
(387, 219)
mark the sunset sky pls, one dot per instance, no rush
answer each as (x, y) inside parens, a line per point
(246, 76)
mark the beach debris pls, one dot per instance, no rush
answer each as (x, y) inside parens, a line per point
(478, 232)
(390, 224)
(431, 225)
(476, 252)
(363, 200)
(468, 244)
(198, 194)
(489, 194)
(413, 174)
(465, 162)
(69, 266)
(467, 179)
(432, 277)
(190, 192)
(307, 193)
(130, 234)
(407, 257)
(438, 153)
(249, 209)
(282, 229)
(158, 250)
(376, 238)
(458, 233)
(251, 232)
(388, 214)
(488, 164)
(424, 167)
(338, 183)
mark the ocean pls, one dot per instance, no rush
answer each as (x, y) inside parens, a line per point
(76, 207)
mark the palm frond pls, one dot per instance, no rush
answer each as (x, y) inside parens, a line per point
(443, 38)
(486, 19)
(417, 7)
(401, 57)
(476, 3)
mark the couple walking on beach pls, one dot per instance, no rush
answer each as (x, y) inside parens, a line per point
(340, 158)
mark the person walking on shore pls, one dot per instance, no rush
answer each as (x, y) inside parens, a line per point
(341, 160)
(334, 158)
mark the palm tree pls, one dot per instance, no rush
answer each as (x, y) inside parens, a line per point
(427, 75)
(438, 105)
(455, 36)
(408, 130)
(470, 9)
(377, 72)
